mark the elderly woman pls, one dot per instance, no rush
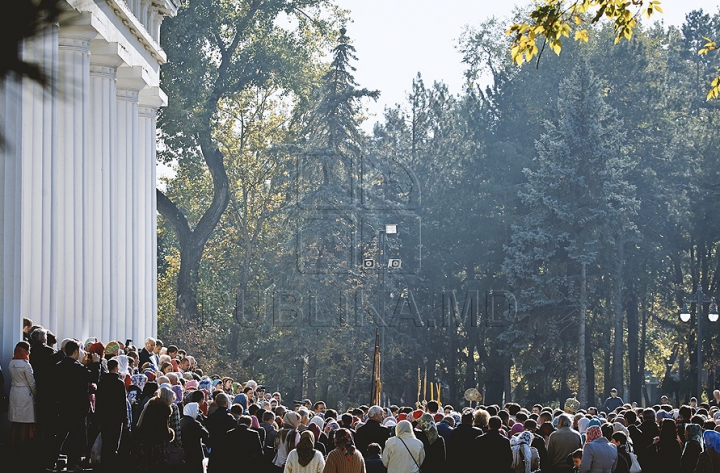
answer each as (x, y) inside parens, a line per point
(22, 390)
(345, 458)
(305, 459)
(403, 453)
(599, 455)
(434, 445)
(287, 438)
(194, 435)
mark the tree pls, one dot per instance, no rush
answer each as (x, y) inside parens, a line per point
(577, 201)
(554, 19)
(216, 50)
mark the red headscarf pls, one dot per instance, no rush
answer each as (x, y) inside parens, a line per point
(592, 433)
(21, 352)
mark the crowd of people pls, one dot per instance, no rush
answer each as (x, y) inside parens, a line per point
(153, 410)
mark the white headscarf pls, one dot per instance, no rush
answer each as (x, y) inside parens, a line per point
(404, 429)
(319, 421)
(123, 364)
(191, 409)
(583, 425)
(522, 442)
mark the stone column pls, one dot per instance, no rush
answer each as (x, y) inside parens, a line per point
(37, 187)
(74, 233)
(104, 61)
(130, 82)
(150, 100)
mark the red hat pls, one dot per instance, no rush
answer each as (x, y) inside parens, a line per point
(98, 348)
(417, 414)
(402, 417)
(438, 417)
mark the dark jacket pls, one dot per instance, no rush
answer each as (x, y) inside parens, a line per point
(237, 448)
(193, 437)
(444, 430)
(664, 457)
(144, 356)
(41, 359)
(371, 432)
(74, 379)
(218, 423)
(374, 464)
(493, 453)
(624, 462)
(435, 458)
(708, 462)
(642, 438)
(111, 401)
(461, 449)
(611, 404)
(690, 456)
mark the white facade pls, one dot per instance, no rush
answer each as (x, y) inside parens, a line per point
(77, 177)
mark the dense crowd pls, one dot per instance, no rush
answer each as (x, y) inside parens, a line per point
(154, 410)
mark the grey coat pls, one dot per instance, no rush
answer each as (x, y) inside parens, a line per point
(599, 456)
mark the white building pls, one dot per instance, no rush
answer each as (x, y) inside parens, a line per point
(77, 177)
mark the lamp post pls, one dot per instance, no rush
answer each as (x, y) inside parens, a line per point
(699, 299)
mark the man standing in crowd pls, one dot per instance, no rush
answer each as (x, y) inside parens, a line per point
(219, 421)
(643, 437)
(562, 443)
(493, 454)
(715, 401)
(461, 444)
(76, 372)
(111, 414)
(147, 352)
(372, 431)
(613, 402)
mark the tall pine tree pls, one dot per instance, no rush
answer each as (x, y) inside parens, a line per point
(578, 204)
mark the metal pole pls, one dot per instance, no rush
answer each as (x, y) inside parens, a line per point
(698, 312)
(381, 370)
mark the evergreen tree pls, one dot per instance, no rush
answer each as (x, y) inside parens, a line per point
(578, 203)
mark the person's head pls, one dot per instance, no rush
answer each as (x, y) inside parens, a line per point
(684, 414)
(222, 399)
(537, 409)
(27, 325)
(432, 407)
(619, 438)
(664, 399)
(344, 440)
(481, 418)
(150, 344)
(467, 416)
(448, 409)
(304, 415)
(172, 351)
(72, 349)
(494, 423)
(269, 417)
(564, 420)
(530, 425)
(167, 395)
(245, 420)
(577, 457)
(167, 368)
(613, 392)
(319, 407)
(375, 413)
(184, 365)
(668, 430)
(112, 366)
(39, 336)
(374, 450)
(158, 346)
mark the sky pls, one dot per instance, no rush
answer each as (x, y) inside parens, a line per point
(396, 39)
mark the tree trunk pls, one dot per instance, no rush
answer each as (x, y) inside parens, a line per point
(312, 375)
(636, 376)
(590, 367)
(618, 316)
(582, 367)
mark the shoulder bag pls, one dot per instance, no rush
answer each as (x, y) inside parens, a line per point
(411, 455)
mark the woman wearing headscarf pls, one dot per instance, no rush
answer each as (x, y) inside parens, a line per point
(287, 438)
(168, 397)
(692, 449)
(21, 410)
(305, 458)
(194, 436)
(403, 453)
(599, 456)
(665, 451)
(345, 458)
(582, 427)
(151, 436)
(317, 433)
(523, 452)
(433, 443)
(709, 459)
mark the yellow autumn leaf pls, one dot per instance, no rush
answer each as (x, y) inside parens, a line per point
(581, 36)
(556, 46)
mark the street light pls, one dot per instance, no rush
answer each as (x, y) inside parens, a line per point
(699, 299)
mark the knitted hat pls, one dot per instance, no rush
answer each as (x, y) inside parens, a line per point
(112, 348)
(572, 405)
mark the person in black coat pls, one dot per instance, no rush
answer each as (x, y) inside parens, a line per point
(146, 354)
(237, 447)
(692, 449)
(43, 368)
(492, 450)
(219, 421)
(193, 435)
(643, 437)
(665, 453)
(461, 445)
(372, 431)
(111, 414)
(73, 376)
(373, 460)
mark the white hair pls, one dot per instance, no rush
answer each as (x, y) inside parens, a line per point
(374, 410)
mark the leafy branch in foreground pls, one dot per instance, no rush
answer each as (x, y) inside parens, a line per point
(714, 91)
